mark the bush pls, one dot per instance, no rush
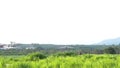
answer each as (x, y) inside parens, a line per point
(36, 56)
(66, 54)
(110, 50)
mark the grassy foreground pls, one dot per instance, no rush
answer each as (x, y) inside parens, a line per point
(80, 61)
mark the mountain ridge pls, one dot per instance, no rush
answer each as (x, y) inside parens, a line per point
(115, 41)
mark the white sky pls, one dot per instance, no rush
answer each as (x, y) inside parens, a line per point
(59, 21)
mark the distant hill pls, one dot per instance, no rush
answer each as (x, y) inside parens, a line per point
(115, 41)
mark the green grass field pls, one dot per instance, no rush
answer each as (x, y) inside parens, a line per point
(80, 61)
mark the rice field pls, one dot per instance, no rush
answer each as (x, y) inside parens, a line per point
(80, 61)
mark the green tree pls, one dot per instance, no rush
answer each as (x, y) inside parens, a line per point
(36, 56)
(110, 50)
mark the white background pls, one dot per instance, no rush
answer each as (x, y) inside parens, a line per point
(59, 21)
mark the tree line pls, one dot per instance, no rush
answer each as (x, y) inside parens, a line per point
(53, 49)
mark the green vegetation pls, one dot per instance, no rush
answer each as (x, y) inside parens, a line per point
(48, 49)
(110, 50)
(35, 56)
(65, 54)
(61, 56)
(64, 60)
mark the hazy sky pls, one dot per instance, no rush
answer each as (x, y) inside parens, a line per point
(59, 21)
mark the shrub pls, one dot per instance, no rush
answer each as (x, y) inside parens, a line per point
(66, 54)
(36, 56)
(110, 50)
